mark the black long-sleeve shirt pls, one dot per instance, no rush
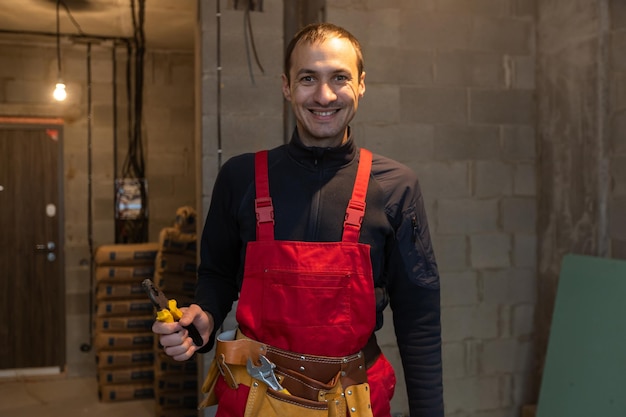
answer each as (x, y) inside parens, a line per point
(310, 189)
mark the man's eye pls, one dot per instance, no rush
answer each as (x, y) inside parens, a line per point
(306, 79)
(341, 78)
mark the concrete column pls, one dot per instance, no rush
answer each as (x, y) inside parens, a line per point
(572, 143)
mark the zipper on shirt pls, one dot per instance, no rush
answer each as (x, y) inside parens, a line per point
(316, 203)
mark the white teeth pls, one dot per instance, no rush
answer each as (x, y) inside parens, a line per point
(323, 113)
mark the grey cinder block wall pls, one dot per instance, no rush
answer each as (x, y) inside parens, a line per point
(484, 99)
(581, 100)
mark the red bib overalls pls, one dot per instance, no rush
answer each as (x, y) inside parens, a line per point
(313, 298)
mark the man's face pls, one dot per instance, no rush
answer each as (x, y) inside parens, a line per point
(324, 91)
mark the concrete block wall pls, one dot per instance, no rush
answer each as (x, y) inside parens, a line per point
(450, 92)
(27, 77)
(617, 126)
(580, 126)
(248, 115)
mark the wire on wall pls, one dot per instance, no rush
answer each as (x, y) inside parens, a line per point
(134, 163)
(131, 188)
(87, 346)
(114, 100)
(58, 39)
(218, 98)
(249, 39)
(70, 16)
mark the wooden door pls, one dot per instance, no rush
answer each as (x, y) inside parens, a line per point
(32, 294)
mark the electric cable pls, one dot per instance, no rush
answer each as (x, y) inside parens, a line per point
(114, 100)
(246, 16)
(249, 41)
(58, 40)
(86, 347)
(218, 99)
(254, 50)
(71, 17)
(135, 230)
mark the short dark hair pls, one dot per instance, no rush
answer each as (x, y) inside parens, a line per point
(318, 32)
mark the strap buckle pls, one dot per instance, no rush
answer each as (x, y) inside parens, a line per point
(354, 213)
(264, 210)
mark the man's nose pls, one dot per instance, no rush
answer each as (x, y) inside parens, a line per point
(325, 93)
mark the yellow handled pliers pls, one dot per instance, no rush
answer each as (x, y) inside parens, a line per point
(167, 310)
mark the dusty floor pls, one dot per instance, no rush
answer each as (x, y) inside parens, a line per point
(64, 397)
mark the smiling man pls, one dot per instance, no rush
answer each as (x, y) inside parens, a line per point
(324, 82)
(315, 239)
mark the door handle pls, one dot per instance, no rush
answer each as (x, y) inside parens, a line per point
(48, 249)
(45, 247)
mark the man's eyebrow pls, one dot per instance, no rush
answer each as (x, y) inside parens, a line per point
(307, 71)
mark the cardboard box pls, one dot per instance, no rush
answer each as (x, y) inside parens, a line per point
(125, 392)
(164, 364)
(177, 399)
(124, 324)
(127, 254)
(173, 240)
(134, 375)
(176, 263)
(181, 287)
(111, 273)
(107, 359)
(175, 382)
(124, 341)
(112, 308)
(128, 291)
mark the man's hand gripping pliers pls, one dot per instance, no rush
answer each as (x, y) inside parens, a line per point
(167, 311)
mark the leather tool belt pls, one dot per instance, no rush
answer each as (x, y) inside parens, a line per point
(331, 385)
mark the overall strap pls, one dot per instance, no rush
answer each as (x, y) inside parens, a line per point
(263, 202)
(355, 211)
(356, 206)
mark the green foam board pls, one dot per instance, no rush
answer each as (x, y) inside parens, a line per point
(585, 368)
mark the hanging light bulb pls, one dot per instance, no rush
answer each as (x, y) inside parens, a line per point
(59, 93)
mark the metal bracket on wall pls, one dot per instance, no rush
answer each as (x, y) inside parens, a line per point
(252, 5)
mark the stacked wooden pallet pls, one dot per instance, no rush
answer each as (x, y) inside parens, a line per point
(123, 340)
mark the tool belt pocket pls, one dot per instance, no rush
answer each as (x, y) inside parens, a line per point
(308, 398)
(208, 387)
(303, 395)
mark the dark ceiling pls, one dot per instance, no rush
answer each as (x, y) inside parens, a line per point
(169, 24)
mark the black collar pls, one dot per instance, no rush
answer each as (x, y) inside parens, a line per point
(314, 156)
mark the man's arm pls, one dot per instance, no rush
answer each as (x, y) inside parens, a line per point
(415, 301)
(220, 250)
(418, 332)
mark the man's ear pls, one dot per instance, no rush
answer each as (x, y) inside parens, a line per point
(362, 85)
(286, 89)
